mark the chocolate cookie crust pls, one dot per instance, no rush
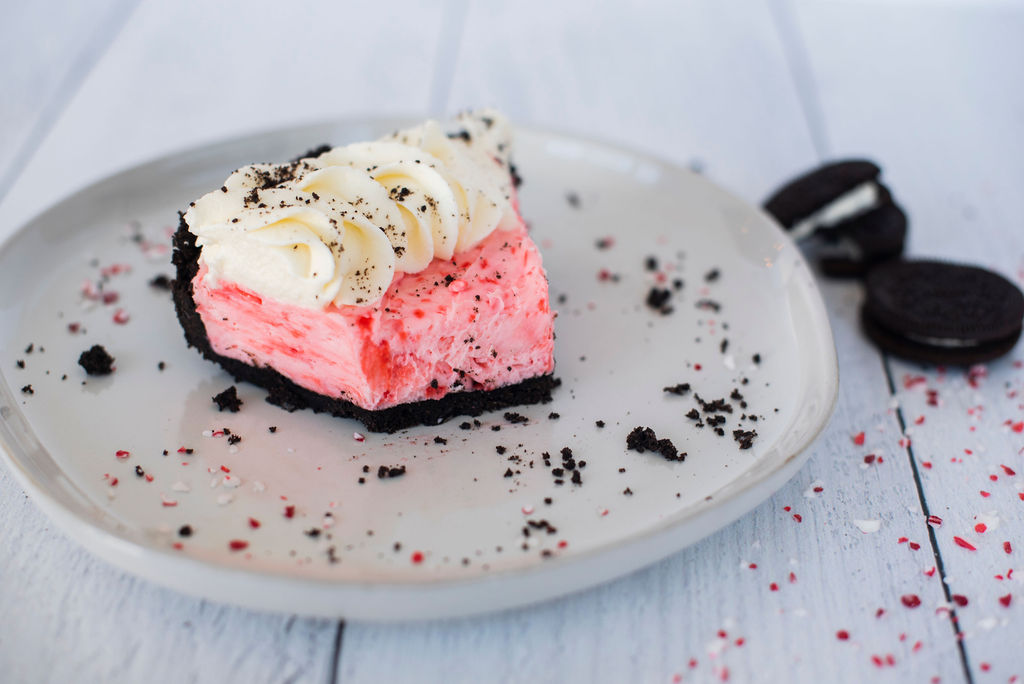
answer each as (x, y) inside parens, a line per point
(290, 396)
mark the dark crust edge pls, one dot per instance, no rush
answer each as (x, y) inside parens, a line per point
(289, 396)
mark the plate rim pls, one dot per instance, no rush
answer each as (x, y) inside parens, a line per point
(170, 569)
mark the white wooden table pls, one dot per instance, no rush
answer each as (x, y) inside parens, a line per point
(751, 92)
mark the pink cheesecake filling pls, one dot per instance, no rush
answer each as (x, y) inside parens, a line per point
(478, 321)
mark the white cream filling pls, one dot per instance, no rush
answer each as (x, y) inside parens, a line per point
(337, 227)
(944, 342)
(851, 203)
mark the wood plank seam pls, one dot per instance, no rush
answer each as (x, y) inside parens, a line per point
(336, 652)
(926, 511)
(70, 82)
(445, 60)
(798, 60)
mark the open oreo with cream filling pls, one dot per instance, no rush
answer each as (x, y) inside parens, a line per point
(849, 213)
(941, 313)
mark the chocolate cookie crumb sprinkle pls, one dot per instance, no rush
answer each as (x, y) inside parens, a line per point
(384, 472)
(643, 439)
(745, 438)
(228, 400)
(96, 361)
(160, 282)
(658, 299)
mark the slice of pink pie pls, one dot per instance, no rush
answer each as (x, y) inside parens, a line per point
(393, 281)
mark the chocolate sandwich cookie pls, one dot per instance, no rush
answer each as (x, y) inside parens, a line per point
(827, 196)
(853, 247)
(941, 313)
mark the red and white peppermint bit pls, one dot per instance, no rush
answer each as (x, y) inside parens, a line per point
(527, 510)
(122, 454)
(910, 600)
(934, 521)
(858, 439)
(960, 541)
(416, 557)
(358, 436)
(121, 317)
(238, 544)
(842, 635)
(1005, 600)
(254, 523)
(289, 511)
(167, 501)
(115, 269)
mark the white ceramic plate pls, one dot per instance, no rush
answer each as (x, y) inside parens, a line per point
(447, 538)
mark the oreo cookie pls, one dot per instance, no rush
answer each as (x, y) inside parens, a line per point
(853, 247)
(941, 313)
(827, 196)
(848, 210)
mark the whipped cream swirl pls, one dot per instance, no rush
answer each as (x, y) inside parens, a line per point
(335, 228)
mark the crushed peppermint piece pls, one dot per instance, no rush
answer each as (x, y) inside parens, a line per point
(960, 541)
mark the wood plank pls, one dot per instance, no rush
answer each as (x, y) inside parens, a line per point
(44, 57)
(710, 82)
(180, 74)
(931, 100)
(187, 74)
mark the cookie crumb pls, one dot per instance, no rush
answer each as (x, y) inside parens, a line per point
(643, 439)
(160, 282)
(228, 400)
(96, 361)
